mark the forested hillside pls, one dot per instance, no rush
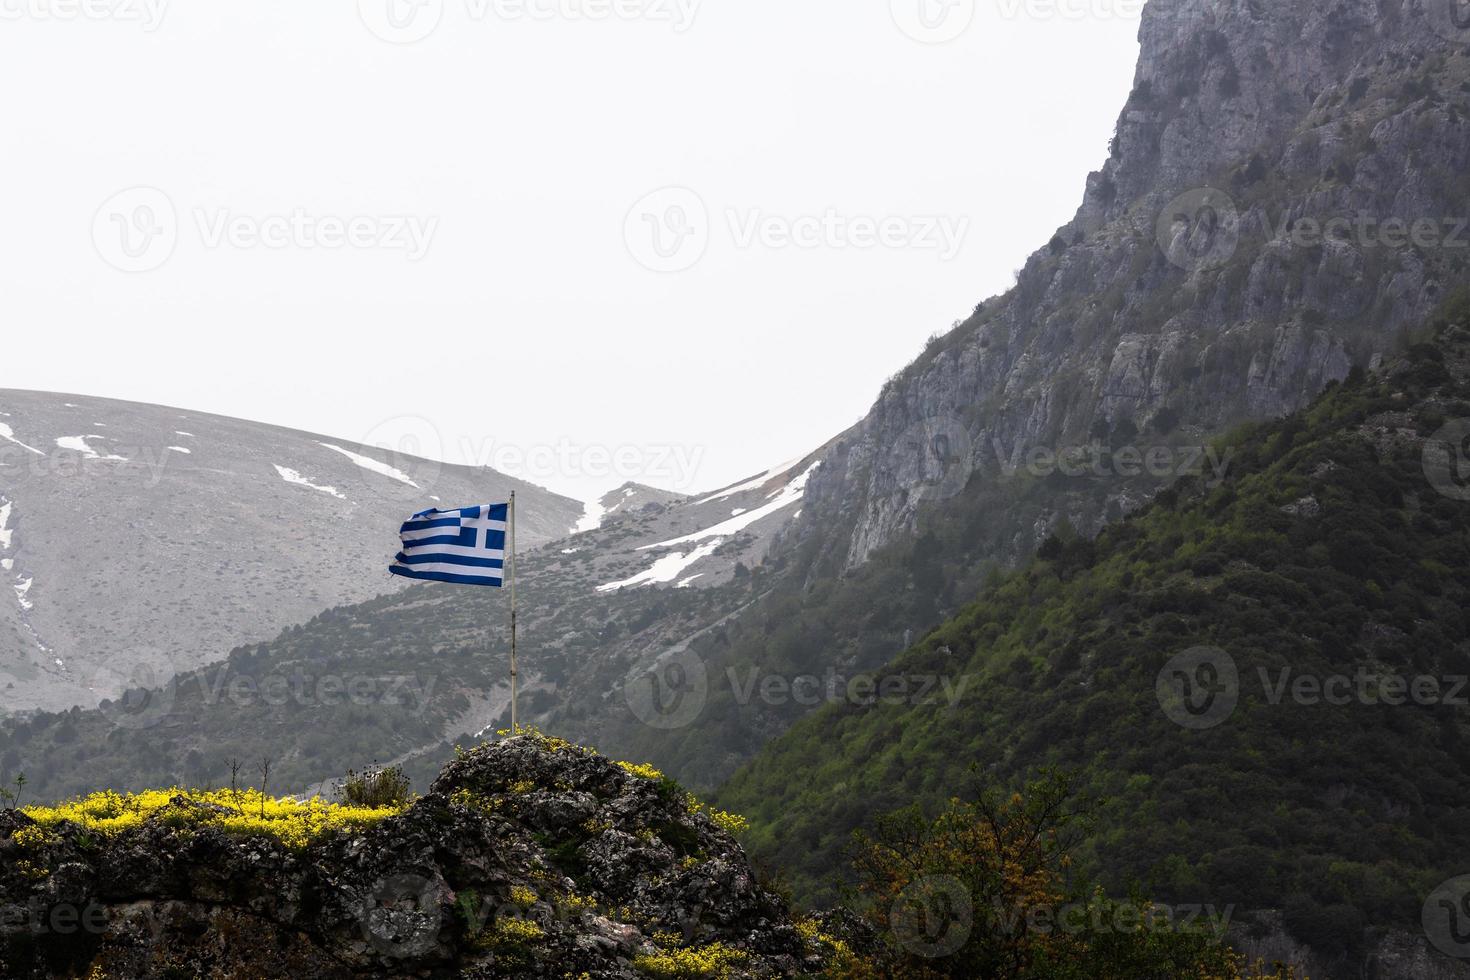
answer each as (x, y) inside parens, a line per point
(1265, 677)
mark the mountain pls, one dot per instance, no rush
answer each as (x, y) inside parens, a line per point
(401, 677)
(1264, 675)
(529, 858)
(138, 541)
(1251, 237)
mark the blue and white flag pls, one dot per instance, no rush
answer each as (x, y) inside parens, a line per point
(466, 546)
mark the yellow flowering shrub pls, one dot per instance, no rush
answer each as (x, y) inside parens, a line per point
(643, 771)
(293, 822)
(713, 961)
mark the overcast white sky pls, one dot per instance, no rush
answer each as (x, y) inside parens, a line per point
(482, 250)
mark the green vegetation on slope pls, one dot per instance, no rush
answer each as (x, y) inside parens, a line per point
(1326, 553)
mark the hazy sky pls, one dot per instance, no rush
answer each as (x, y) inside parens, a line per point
(582, 240)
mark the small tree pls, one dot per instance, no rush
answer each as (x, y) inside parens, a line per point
(265, 780)
(376, 788)
(986, 890)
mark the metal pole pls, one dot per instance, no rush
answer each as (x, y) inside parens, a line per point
(514, 726)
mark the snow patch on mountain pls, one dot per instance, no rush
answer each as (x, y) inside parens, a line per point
(21, 588)
(6, 534)
(591, 517)
(780, 499)
(79, 444)
(8, 434)
(372, 465)
(666, 569)
(752, 484)
(181, 449)
(291, 476)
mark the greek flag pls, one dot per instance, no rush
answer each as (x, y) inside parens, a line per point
(466, 546)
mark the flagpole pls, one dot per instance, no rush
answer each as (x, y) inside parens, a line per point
(514, 727)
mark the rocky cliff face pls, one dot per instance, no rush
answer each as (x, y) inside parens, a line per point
(1287, 193)
(529, 858)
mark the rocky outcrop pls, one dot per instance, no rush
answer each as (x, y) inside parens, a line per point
(1285, 196)
(529, 858)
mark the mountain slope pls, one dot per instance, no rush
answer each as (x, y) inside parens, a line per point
(140, 541)
(1266, 677)
(402, 676)
(1208, 276)
(1207, 279)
